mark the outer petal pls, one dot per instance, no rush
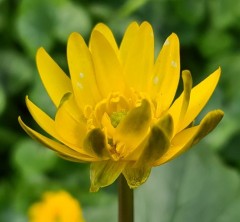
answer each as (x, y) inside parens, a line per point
(165, 123)
(200, 95)
(138, 58)
(133, 128)
(136, 176)
(82, 71)
(187, 138)
(104, 173)
(43, 120)
(51, 144)
(107, 66)
(153, 148)
(70, 125)
(187, 87)
(96, 143)
(166, 74)
(54, 79)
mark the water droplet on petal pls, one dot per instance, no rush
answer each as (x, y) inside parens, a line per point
(155, 80)
(81, 75)
(173, 64)
(79, 85)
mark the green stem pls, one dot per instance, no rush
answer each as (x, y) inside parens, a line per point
(125, 201)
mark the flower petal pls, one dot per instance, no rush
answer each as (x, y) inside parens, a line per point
(187, 87)
(53, 145)
(107, 65)
(133, 128)
(200, 95)
(137, 56)
(165, 123)
(104, 173)
(43, 120)
(96, 142)
(70, 125)
(136, 176)
(107, 33)
(156, 146)
(128, 40)
(190, 136)
(82, 71)
(153, 148)
(54, 79)
(166, 74)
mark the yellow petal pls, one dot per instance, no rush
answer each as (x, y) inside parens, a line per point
(189, 137)
(43, 120)
(54, 79)
(156, 146)
(166, 74)
(107, 33)
(53, 145)
(137, 56)
(107, 66)
(104, 173)
(70, 125)
(133, 128)
(152, 149)
(165, 123)
(72, 159)
(200, 95)
(187, 87)
(158, 138)
(82, 71)
(106, 122)
(128, 40)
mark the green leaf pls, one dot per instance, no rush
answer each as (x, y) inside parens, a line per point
(102, 212)
(35, 24)
(215, 42)
(32, 158)
(195, 187)
(2, 99)
(224, 13)
(71, 17)
(40, 22)
(131, 6)
(16, 71)
(190, 11)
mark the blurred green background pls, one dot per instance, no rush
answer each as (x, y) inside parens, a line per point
(202, 185)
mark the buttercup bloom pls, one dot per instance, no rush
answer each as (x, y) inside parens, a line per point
(116, 109)
(54, 207)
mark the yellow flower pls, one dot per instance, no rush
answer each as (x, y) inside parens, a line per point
(116, 110)
(56, 207)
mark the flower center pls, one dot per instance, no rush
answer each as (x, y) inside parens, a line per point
(116, 117)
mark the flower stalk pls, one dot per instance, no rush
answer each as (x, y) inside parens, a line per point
(125, 201)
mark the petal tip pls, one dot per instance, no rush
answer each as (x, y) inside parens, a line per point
(40, 52)
(74, 35)
(174, 36)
